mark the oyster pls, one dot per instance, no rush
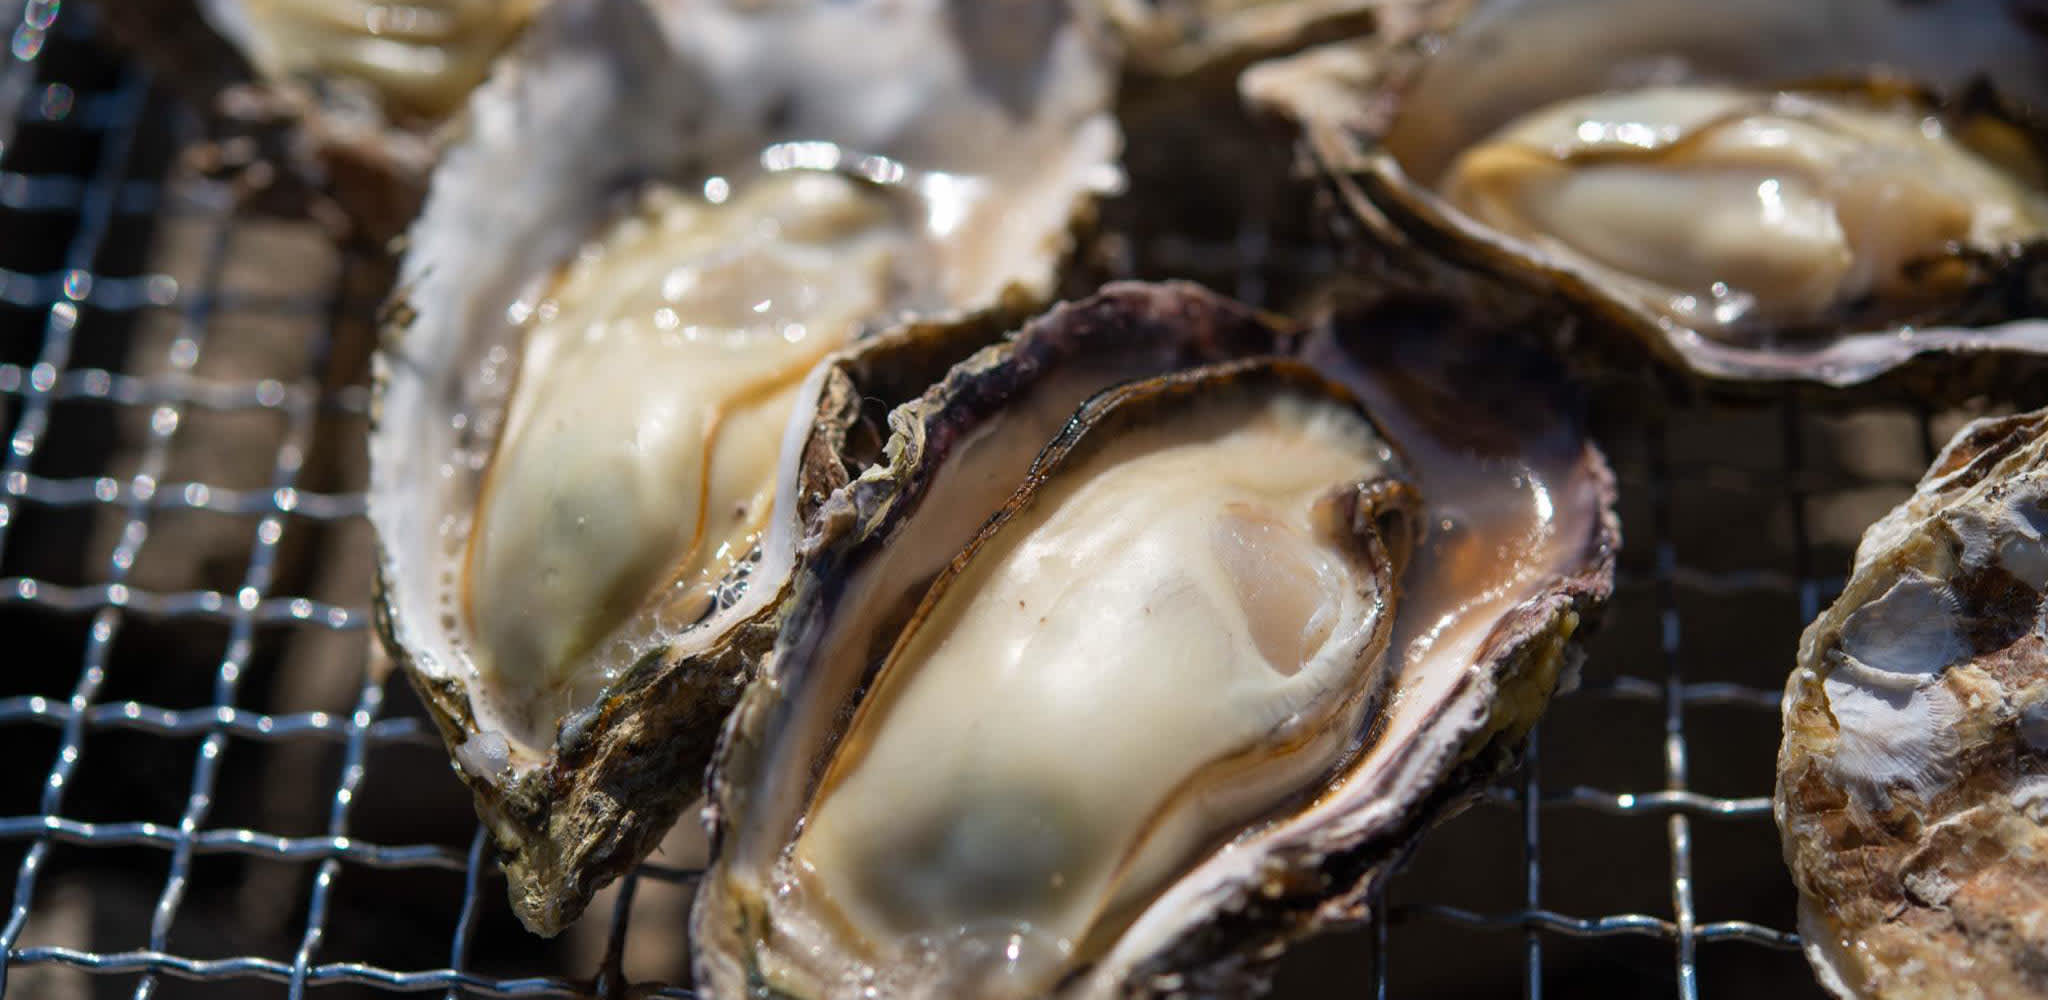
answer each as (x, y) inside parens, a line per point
(601, 425)
(1913, 779)
(1750, 191)
(416, 60)
(1181, 698)
(1183, 38)
(346, 94)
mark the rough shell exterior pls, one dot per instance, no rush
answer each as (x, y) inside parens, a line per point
(1913, 779)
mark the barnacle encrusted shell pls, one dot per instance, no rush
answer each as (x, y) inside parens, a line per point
(1747, 192)
(1913, 779)
(612, 387)
(1516, 548)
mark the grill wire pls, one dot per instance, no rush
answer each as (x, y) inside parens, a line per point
(1552, 881)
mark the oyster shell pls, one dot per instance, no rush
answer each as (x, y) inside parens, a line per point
(346, 95)
(1913, 779)
(600, 426)
(934, 788)
(1748, 191)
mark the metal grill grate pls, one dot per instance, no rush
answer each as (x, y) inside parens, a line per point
(183, 697)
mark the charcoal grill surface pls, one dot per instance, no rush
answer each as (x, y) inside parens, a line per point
(210, 788)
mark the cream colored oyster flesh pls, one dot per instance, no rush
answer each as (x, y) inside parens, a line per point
(1181, 37)
(420, 57)
(637, 464)
(1162, 648)
(1142, 653)
(1720, 206)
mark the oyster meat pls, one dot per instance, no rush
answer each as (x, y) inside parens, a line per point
(1729, 210)
(347, 95)
(1752, 191)
(602, 421)
(1913, 778)
(1144, 652)
(1184, 38)
(417, 60)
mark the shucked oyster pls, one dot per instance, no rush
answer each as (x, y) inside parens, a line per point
(602, 420)
(348, 94)
(1754, 190)
(1144, 653)
(1913, 780)
(416, 60)
(1180, 38)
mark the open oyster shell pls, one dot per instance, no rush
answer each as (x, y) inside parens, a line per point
(345, 96)
(1913, 779)
(1006, 864)
(1749, 191)
(613, 382)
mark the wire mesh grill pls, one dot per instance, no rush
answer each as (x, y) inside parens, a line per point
(232, 801)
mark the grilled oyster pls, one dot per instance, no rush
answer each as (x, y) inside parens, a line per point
(346, 95)
(1751, 191)
(1913, 779)
(600, 430)
(416, 60)
(1180, 698)
(1183, 38)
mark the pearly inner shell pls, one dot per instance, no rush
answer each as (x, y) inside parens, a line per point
(1725, 208)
